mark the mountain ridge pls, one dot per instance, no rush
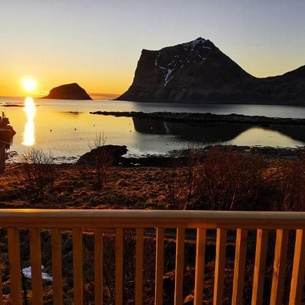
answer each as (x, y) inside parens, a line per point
(197, 71)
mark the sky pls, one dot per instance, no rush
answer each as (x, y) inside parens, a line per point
(97, 43)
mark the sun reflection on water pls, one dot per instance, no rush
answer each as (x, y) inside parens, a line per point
(29, 129)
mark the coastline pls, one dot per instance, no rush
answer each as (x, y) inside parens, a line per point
(146, 182)
(206, 118)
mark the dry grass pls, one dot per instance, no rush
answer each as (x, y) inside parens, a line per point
(221, 180)
(74, 187)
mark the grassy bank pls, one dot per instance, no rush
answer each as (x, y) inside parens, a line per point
(221, 179)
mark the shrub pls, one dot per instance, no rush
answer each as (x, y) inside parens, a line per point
(228, 180)
(103, 159)
(291, 186)
(182, 180)
(39, 173)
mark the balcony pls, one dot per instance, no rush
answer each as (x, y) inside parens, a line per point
(152, 257)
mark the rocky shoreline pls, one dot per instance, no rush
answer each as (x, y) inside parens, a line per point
(118, 158)
(210, 119)
(206, 118)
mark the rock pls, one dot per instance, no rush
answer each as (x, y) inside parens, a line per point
(109, 154)
(2, 157)
(198, 71)
(68, 91)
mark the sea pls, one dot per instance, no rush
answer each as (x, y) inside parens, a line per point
(66, 128)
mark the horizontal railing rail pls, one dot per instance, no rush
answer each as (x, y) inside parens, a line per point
(151, 218)
(108, 256)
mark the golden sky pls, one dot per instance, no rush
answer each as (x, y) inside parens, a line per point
(98, 43)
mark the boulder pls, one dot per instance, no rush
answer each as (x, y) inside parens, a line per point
(106, 154)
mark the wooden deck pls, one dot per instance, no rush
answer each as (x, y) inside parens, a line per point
(243, 227)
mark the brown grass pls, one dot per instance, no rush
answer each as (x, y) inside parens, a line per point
(221, 180)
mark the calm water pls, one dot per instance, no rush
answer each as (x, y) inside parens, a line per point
(66, 128)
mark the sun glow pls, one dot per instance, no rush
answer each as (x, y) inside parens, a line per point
(29, 83)
(29, 129)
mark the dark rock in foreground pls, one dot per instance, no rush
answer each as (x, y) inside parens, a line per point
(69, 92)
(198, 71)
(107, 154)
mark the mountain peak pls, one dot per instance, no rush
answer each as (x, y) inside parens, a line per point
(197, 71)
(197, 41)
(186, 71)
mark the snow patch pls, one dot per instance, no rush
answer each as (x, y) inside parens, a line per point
(167, 76)
(166, 128)
(195, 42)
(156, 61)
(27, 272)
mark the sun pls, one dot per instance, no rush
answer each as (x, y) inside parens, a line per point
(29, 83)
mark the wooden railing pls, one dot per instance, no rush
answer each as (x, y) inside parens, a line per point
(250, 235)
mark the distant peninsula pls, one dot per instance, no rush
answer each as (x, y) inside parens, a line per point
(197, 71)
(68, 92)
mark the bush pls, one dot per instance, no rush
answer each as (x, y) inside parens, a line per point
(182, 180)
(228, 180)
(102, 160)
(39, 173)
(291, 186)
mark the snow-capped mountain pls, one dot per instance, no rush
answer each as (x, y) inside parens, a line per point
(198, 71)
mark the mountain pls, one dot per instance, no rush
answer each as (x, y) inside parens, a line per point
(198, 71)
(68, 91)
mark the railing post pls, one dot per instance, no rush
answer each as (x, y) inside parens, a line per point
(239, 266)
(98, 266)
(139, 267)
(35, 252)
(279, 266)
(57, 266)
(1, 281)
(297, 279)
(179, 272)
(15, 265)
(219, 266)
(119, 279)
(159, 266)
(199, 268)
(259, 266)
(77, 266)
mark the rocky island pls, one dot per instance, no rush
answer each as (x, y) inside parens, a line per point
(198, 71)
(69, 92)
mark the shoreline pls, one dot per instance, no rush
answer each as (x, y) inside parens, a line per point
(181, 156)
(165, 160)
(275, 153)
(206, 118)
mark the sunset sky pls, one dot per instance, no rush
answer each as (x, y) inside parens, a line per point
(97, 43)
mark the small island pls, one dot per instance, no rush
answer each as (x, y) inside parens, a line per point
(68, 92)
